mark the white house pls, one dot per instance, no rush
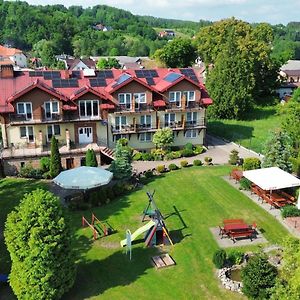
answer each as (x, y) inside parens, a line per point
(17, 57)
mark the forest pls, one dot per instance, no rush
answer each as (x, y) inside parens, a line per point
(70, 30)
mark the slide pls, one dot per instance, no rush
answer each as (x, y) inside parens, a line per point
(138, 232)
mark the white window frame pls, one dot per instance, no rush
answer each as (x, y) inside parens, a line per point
(125, 99)
(53, 131)
(52, 112)
(93, 115)
(193, 117)
(26, 136)
(119, 122)
(143, 121)
(145, 137)
(188, 95)
(168, 119)
(140, 98)
(25, 113)
(175, 97)
(191, 134)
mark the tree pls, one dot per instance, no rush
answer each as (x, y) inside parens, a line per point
(38, 238)
(179, 53)
(90, 158)
(288, 282)
(258, 277)
(231, 83)
(55, 160)
(277, 151)
(163, 138)
(108, 63)
(121, 165)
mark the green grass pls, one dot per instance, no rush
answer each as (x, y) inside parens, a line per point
(203, 199)
(251, 133)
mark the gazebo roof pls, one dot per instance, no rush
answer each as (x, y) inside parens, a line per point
(271, 178)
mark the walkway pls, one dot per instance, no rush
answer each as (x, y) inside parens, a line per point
(218, 149)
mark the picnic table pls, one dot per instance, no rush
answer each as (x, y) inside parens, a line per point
(235, 228)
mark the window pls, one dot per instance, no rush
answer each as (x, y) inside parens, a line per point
(53, 130)
(120, 136)
(192, 133)
(120, 121)
(51, 108)
(89, 108)
(189, 95)
(125, 99)
(191, 118)
(170, 120)
(139, 98)
(25, 109)
(26, 132)
(146, 121)
(175, 97)
(145, 137)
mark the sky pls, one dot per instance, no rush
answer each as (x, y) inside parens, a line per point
(271, 11)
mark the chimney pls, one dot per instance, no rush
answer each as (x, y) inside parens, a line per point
(6, 71)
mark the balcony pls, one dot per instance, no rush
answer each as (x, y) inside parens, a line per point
(125, 128)
(200, 123)
(19, 119)
(145, 128)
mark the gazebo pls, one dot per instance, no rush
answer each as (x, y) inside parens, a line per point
(273, 178)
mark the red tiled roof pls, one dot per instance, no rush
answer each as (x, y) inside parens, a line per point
(5, 51)
(12, 88)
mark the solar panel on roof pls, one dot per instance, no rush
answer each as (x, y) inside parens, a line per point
(150, 81)
(153, 73)
(65, 83)
(98, 82)
(171, 77)
(122, 78)
(139, 73)
(35, 73)
(105, 74)
(51, 75)
(76, 74)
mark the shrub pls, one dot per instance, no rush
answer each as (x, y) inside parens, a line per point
(175, 148)
(219, 258)
(45, 164)
(235, 257)
(55, 159)
(158, 154)
(147, 156)
(184, 163)
(198, 150)
(137, 156)
(90, 158)
(160, 168)
(173, 167)
(29, 172)
(233, 157)
(189, 146)
(251, 163)
(295, 165)
(290, 211)
(149, 174)
(258, 277)
(187, 152)
(208, 160)
(245, 184)
(123, 142)
(197, 162)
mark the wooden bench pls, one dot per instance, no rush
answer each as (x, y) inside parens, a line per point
(247, 233)
(289, 197)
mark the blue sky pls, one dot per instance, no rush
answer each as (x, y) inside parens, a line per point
(271, 11)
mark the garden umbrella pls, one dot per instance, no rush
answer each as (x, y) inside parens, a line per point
(83, 178)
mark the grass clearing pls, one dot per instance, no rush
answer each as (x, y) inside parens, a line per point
(251, 133)
(203, 199)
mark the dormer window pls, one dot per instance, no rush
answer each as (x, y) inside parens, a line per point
(189, 95)
(175, 97)
(51, 109)
(125, 100)
(89, 108)
(25, 109)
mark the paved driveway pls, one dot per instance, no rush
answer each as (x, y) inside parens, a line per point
(218, 149)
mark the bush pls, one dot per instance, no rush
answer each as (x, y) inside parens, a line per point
(258, 277)
(90, 158)
(290, 211)
(184, 163)
(137, 156)
(148, 174)
(219, 258)
(45, 164)
(197, 162)
(173, 155)
(245, 184)
(189, 146)
(158, 154)
(233, 157)
(235, 257)
(251, 163)
(208, 160)
(123, 142)
(198, 150)
(172, 167)
(187, 152)
(147, 156)
(161, 169)
(295, 165)
(29, 172)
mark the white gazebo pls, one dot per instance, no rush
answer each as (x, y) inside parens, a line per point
(270, 179)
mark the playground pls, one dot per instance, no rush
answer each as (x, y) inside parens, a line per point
(191, 201)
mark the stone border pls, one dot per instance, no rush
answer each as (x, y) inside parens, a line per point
(227, 282)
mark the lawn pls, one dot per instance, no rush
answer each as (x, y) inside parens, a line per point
(203, 200)
(251, 133)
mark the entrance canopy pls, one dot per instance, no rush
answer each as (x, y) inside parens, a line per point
(271, 178)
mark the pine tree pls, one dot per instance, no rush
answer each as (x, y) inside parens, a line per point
(90, 158)
(277, 151)
(55, 160)
(39, 240)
